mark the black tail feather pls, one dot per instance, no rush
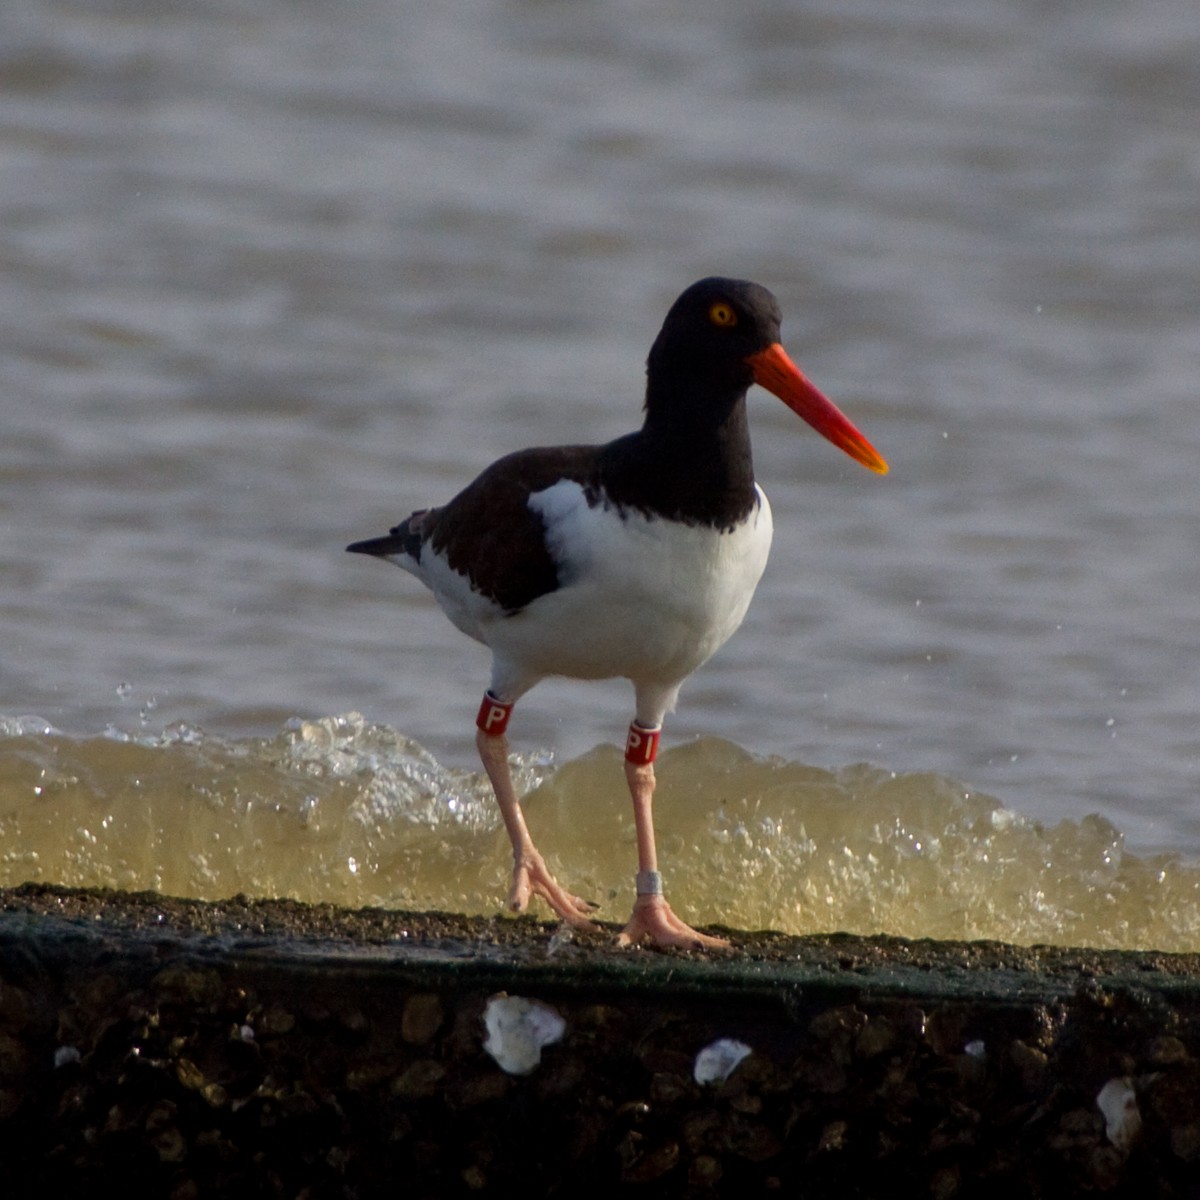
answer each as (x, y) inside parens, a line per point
(405, 538)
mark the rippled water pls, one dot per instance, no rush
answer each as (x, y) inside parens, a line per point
(273, 274)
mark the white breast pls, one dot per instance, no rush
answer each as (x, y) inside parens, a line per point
(639, 597)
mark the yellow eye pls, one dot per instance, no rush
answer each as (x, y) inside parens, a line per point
(722, 315)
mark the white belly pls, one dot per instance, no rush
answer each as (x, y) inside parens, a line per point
(645, 599)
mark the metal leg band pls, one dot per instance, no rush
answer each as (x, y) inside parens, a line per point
(649, 883)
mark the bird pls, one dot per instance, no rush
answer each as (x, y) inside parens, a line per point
(634, 559)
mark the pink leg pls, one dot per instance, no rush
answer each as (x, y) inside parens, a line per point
(531, 876)
(652, 916)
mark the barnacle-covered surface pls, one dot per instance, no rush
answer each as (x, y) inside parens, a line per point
(276, 1048)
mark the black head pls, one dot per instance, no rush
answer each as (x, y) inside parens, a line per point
(708, 334)
(719, 337)
(717, 321)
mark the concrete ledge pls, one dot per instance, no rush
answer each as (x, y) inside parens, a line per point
(275, 1048)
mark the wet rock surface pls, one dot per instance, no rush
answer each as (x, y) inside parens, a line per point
(270, 1048)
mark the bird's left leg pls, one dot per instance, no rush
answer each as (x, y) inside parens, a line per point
(652, 916)
(531, 876)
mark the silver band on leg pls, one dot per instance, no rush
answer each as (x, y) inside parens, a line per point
(649, 883)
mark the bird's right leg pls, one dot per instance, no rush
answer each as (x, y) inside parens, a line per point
(531, 876)
(652, 918)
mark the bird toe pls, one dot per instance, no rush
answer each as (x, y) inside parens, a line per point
(653, 921)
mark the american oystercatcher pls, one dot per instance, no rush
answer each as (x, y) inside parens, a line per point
(636, 559)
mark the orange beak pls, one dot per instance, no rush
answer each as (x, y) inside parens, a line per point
(775, 371)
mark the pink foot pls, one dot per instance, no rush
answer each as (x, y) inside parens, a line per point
(653, 920)
(531, 877)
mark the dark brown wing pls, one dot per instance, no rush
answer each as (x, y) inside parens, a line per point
(489, 533)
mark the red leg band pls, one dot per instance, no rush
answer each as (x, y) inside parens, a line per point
(641, 746)
(493, 715)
